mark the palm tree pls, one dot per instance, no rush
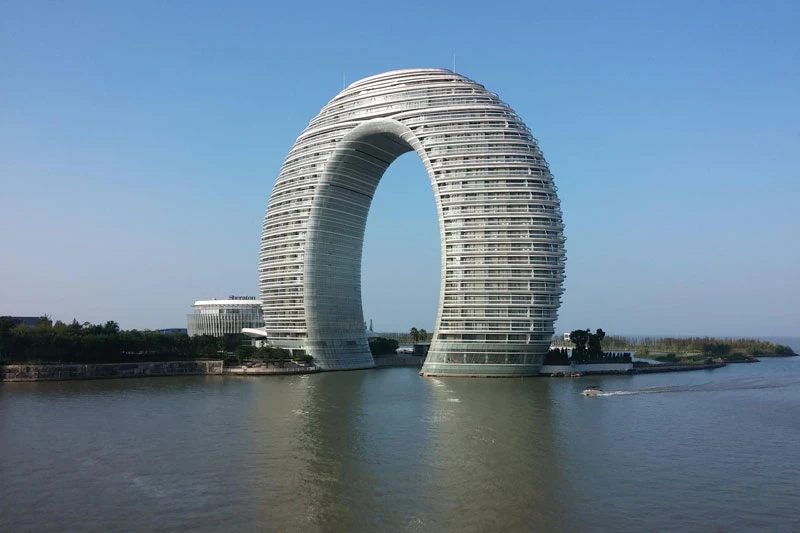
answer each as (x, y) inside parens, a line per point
(423, 335)
(414, 335)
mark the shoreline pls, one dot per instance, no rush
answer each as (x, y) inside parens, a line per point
(652, 369)
(656, 369)
(32, 373)
(77, 372)
(267, 370)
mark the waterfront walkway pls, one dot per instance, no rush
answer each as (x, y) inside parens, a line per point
(268, 370)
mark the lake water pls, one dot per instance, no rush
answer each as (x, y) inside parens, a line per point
(387, 450)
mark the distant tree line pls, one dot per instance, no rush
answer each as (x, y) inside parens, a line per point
(417, 335)
(94, 343)
(697, 345)
(783, 350)
(412, 336)
(382, 346)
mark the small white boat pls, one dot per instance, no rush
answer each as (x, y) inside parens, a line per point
(592, 390)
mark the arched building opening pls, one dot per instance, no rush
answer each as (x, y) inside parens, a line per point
(401, 258)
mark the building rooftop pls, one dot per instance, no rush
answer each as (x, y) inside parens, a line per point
(236, 303)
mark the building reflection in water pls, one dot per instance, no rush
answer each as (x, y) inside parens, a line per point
(366, 438)
(388, 450)
(495, 457)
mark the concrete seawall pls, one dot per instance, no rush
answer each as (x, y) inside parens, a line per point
(597, 369)
(586, 369)
(268, 370)
(108, 371)
(399, 360)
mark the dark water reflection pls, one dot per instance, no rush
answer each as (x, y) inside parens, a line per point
(389, 451)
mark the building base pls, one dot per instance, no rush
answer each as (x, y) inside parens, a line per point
(478, 370)
(354, 366)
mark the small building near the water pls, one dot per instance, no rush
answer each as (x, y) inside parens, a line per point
(421, 348)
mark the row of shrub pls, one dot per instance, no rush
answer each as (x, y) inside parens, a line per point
(269, 354)
(560, 356)
(704, 359)
(94, 343)
(382, 346)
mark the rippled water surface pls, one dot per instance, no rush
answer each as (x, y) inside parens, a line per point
(387, 450)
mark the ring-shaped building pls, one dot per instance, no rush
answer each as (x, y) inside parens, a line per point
(502, 241)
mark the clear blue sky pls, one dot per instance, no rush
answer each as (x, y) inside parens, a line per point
(139, 143)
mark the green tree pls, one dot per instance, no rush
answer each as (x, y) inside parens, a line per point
(92, 329)
(716, 349)
(414, 335)
(382, 346)
(579, 338)
(557, 356)
(423, 335)
(228, 343)
(595, 348)
(6, 337)
(6, 324)
(783, 350)
(244, 352)
(303, 358)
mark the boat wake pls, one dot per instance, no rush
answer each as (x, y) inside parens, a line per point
(737, 385)
(625, 392)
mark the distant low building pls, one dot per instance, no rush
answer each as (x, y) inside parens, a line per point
(173, 331)
(225, 317)
(29, 321)
(421, 348)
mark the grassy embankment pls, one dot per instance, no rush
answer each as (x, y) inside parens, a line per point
(697, 350)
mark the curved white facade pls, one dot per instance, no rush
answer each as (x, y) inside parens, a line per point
(224, 317)
(499, 222)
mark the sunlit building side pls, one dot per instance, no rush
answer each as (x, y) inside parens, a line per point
(224, 317)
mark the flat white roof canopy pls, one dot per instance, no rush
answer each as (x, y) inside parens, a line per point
(235, 303)
(255, 333)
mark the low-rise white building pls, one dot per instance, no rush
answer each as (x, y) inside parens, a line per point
(225, 317)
